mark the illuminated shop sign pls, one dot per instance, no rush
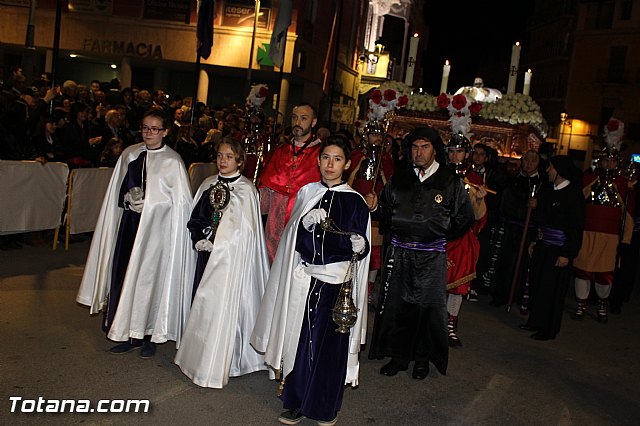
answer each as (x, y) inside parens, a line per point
(168, 10)
(122, 48)
(91, 6)
(240, 13)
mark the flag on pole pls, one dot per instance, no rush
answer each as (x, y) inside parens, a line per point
(206, 12)
(279, 35)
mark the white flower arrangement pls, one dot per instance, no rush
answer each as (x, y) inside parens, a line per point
(423, 102)
(513, 108)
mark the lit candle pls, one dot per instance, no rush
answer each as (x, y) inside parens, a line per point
(527, 82)
(513, 67)
(411, 61)
(445, 77)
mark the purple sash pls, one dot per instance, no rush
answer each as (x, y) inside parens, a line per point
(439, 245)
(552, 236)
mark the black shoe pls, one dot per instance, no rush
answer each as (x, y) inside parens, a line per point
(327, 422)
(123, 348)
(148, 350)
(420, 370)
(541, 336)
(527, 327)
(454, 341)
(393, 367)
(291, 417)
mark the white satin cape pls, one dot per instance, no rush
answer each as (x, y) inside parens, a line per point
(156, 293)
(215, 343)
(277, 330)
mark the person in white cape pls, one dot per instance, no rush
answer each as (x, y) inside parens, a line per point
(140, 253)
(295, 327)
(231, 275)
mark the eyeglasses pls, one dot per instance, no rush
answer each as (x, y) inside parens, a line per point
(152, 130)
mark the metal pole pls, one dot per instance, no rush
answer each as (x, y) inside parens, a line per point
(253, 42)
(194, 100)
(56, 48)
(335, 57)
(28, 59)
(280, 77)
(31, 28)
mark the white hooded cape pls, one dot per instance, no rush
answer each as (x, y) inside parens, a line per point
(156, 292)
(215, 343)
(277, 330)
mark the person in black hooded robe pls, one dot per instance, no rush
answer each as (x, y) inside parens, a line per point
(559, 216)
(423, 205)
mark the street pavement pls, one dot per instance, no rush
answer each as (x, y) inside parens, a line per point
(51, 348)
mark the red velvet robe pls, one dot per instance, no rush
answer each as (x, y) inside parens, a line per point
(463, 252)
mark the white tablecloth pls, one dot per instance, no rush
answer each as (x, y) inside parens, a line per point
(88, 187)
(32, 195)
(198, 172)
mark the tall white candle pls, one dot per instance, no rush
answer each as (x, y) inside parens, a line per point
(513, 67)
(411, 60)
(527, 82)
(445, 77)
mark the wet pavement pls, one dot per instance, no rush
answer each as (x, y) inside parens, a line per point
(53, 349)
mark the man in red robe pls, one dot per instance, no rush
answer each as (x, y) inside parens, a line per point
(286, 169)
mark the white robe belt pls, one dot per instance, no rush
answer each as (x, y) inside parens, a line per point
(332, 273)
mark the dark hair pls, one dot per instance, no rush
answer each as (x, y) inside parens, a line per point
(307, 104)
(76, 107)
(347, 134)
(236, 147)
(339, 141)
(429, 134)
(159, 113)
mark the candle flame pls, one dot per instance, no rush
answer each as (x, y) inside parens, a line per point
(446, 62)
(529, 70)
(415, 35)
(517, 43)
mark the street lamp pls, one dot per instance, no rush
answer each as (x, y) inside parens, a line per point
(371, 58)
(564, 121)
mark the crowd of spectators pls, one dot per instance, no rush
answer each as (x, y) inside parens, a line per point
(89, 126)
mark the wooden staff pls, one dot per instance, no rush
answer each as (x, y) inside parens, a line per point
(490, 191)
(523, 240)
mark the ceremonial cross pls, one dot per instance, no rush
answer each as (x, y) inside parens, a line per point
(514, 70)
(411, 61)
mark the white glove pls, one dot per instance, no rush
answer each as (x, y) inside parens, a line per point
(204, 245)
(135, 206)
(314, 216)
(358, 243)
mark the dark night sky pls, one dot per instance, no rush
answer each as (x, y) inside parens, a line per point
(476, 38)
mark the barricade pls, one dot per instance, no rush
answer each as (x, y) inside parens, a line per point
(198, 172)
(32, 195)
(85, 194)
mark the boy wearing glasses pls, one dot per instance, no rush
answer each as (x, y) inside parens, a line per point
(140, 255)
